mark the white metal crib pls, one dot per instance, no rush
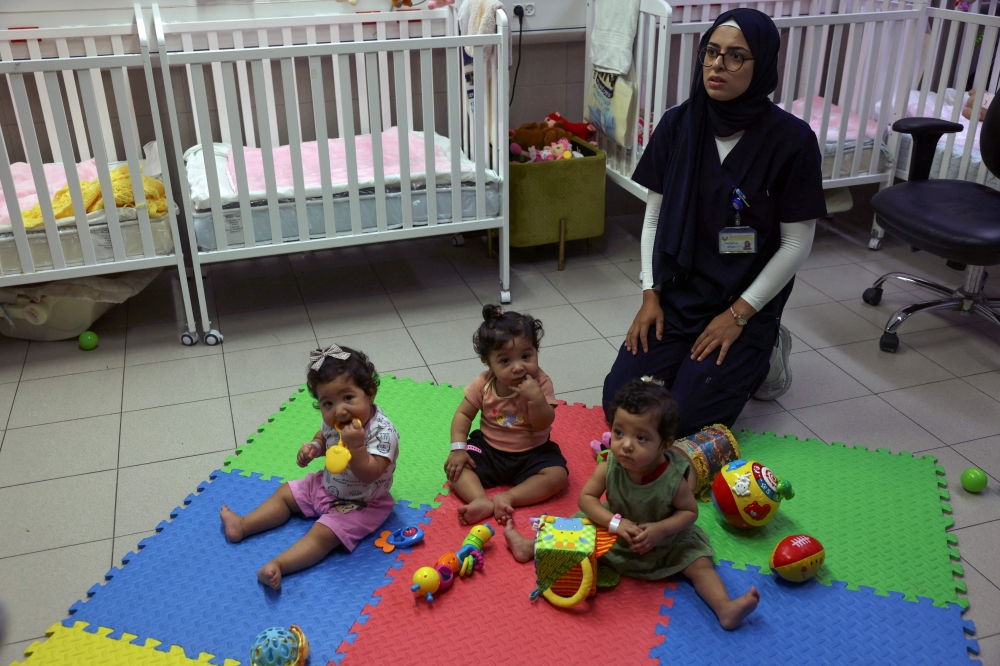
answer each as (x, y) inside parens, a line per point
(943, 74)
(840, 61)
(272, 191)
(73, 83)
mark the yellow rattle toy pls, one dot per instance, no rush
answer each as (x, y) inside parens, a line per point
(338, 457)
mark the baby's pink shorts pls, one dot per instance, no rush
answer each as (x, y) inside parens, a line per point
(314, 501)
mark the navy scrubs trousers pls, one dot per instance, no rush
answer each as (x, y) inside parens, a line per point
(706, 393)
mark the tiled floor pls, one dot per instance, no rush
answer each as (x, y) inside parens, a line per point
(100, 446)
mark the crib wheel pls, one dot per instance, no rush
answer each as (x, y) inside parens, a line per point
(505, 296)
(458, 240)
(189, 339)
(875, 244)
(213, 338)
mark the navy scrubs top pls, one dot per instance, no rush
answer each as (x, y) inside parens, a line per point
(778, 166)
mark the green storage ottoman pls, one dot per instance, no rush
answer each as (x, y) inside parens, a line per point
(559, 200)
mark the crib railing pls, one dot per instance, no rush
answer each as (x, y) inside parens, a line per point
(238, 73)
(853, 53)
(650, 74)
(51, 43)
(945, 69)
(57, 80)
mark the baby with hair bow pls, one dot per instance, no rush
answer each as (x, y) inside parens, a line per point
(349, 502)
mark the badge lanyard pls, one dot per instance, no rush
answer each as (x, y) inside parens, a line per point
(738, 239)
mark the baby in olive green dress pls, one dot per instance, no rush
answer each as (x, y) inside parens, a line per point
(650, 505)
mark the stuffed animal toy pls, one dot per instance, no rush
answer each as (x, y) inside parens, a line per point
(539, 135)
(438, 4)
(987, 100)
(584, 131)
(401, 3)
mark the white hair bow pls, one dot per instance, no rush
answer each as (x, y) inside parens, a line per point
(317, 357)
(652, 380)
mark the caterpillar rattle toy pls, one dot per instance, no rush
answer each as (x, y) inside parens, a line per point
(468, 559)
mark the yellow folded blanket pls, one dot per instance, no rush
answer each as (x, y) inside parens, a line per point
(121, 183)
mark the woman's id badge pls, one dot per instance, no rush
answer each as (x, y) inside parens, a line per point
(737, 240)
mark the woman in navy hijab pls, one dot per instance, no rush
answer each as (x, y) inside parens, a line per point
(735, 187)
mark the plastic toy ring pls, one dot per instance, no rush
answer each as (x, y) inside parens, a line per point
(585, 584)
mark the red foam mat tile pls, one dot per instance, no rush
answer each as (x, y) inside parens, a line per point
(489, 618)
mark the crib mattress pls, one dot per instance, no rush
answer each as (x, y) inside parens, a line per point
(847, 161)
(201, 197)
(69, 237)
(260, 213)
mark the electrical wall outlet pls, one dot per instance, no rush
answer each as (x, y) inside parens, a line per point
(529, 9)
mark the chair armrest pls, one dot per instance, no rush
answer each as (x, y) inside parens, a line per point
(926, 132)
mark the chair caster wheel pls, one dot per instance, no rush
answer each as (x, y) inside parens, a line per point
(505, 296)
(889, 342)
(213, 338)
(189, 339)
(875, 244)
(872, 295)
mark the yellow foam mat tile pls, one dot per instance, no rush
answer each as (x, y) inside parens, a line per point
(75, 647)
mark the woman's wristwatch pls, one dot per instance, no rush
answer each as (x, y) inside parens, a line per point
(740, 320)
(616, 520)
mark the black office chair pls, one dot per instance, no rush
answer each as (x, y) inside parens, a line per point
(956, 220)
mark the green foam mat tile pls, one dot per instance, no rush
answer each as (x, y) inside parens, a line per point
(421, 412)
(881, 517)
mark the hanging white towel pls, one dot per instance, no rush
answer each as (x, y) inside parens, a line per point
(615, 23)
(479, 17)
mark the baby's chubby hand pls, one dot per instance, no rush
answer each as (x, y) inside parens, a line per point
(650, 535)
(307, 454)
(628, 530)
(353, 435)
(530, 389)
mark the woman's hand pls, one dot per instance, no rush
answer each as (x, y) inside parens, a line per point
(650, 313)
(456, 463)
(721, 331)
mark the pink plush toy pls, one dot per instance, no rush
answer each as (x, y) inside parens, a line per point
(560, 149)
(438, 4)
(602, 445)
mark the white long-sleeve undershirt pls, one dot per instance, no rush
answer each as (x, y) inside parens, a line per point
(794, 248)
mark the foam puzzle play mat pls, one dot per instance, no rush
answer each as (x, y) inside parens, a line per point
(868, 573)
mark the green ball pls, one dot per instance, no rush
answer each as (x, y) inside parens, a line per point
(974, 479)
(88, 340)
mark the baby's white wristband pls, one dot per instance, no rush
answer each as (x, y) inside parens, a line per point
(616, 520)
(459, 446)
(317, 444)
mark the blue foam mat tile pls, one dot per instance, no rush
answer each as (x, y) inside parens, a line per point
(814, 624)
(188, 586)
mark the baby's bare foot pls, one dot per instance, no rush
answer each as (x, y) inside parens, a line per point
(475, 511)
(503, 507)
(522, 548)
(233, 524)
(738, 609)
(270, 575)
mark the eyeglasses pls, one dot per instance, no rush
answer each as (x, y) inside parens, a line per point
(731, 60)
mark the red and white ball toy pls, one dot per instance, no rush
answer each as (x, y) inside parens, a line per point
(797, 558)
